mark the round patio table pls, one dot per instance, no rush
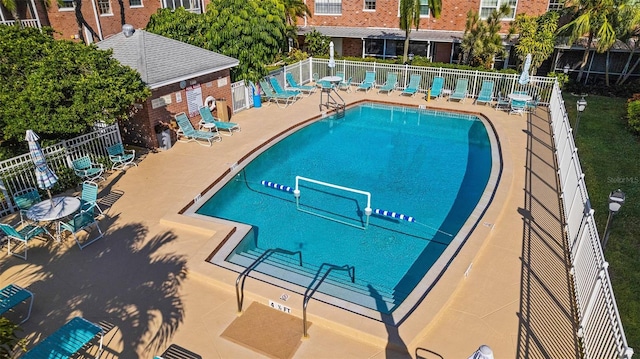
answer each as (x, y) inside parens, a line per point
(519, 97)
(54, 209)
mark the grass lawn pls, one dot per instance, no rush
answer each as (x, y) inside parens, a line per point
(610, 159)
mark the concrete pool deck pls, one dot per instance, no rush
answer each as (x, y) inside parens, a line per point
(148, 282)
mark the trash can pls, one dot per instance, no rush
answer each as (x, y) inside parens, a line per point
(257, 101)
(221, 110)
(164, 140)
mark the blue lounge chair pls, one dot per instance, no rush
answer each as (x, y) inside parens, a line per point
(369, 81)
(390, 84)
(191, 134)
(82, 221)
(460, 93)
(228, 128)
(23, 234)
(279, 90)
(436, 88)
(11, 296)
(271, 96)
(120, 157)
(87, 170)
(25, 199)
(67, 340)
(414, 85)
(304, 88)
(486, 92)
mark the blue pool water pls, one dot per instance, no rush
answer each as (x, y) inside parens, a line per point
(433, 166)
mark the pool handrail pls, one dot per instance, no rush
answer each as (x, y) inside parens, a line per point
(245, 272)
(309, 293)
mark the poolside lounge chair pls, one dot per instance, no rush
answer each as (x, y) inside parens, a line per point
(436, 88)
(228, 128)
(390, 84)
(25, 199)
(518, 107)
(82, 222)
(369, 81)
(11, 296)
(413, 86)
(460, 93)
(345, 85)
(304, 88)
(87, 170)
(279, 90)
(486, 92)
(120, 157)
(89, 196)
(67, 340)
(191, 134)
(21, 234)
(502, 103)
(274, 97)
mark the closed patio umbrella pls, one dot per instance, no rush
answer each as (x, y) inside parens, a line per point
(332, 61)
(524, 76)
(45, 177)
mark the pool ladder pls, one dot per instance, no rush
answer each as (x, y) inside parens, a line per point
(241, 278)
(310, 292)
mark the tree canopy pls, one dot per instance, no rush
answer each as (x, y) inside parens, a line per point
(482, 41)
(537, 37)
(252, 31)
(59, 88)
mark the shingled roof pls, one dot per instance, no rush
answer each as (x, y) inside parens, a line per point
(162, 61)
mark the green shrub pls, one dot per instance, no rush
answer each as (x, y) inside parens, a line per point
(8, 338)
(66, 179)
(633, 114)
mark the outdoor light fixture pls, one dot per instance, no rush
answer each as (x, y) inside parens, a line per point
(566, 69)
(616, 200)
(580, 106)
(410, 56)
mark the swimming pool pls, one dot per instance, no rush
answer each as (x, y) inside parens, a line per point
(432, 166)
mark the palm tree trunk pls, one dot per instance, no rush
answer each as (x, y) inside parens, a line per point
(122, 14)
(585, 57)
(406, 46)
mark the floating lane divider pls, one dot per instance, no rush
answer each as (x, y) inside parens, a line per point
(277, 186)
(404, 217)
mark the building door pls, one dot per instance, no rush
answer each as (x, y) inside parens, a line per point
(442, 52)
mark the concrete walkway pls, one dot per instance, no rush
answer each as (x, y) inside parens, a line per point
(148, 283)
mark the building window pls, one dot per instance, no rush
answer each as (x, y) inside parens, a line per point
(104, 7)
(369, 4)
(556, 5)
(66, 5)
(488, 6)
(424, 7)
(135, 3)
(328, 7)
(190, 5)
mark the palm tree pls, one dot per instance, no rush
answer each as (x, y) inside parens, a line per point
(593, 18)
(410, 17)
(628, 34)
(482, 41)
(293, 9)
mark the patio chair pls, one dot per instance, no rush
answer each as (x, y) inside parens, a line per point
(414, 85)
(89, 196)
(25, 199)
(68, 340)
(518, 107)
(345, 84)
(191, 134)
(436, 88)
(460, 93)
(294, 84)
(533, 104)
(279, 90)
(120, 157)
(82, 222)
(274, 97)
(228, 128)
(23, 234)
(320, 83)
(486, 92)
(502, 103)
(390, 84)
(87, 170)
(11, 296)
(369, 81)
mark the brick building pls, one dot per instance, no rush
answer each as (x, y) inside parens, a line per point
(181, 78)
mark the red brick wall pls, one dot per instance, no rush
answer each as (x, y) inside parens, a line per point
(64, 21)
(140, 129)
(453, 17)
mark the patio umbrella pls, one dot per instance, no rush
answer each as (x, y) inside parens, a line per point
(44, 175)
(332, 61)
(484, 352)
(524, 77)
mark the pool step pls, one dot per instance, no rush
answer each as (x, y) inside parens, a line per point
(338, 284)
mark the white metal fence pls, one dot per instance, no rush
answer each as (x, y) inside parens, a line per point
(17, 173)
(599, 326)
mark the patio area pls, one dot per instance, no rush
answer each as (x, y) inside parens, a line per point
(148, 283)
